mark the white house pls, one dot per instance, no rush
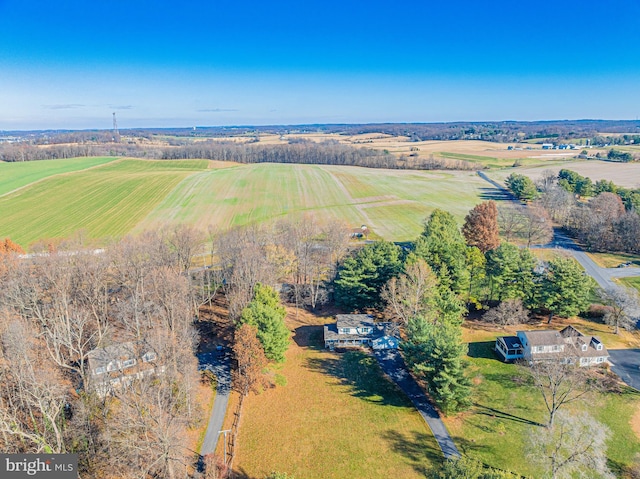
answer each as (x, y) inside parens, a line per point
(569, 344)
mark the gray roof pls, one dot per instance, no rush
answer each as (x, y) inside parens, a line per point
(378, 330)
(543, 338)
(354, 320)
(101, 357)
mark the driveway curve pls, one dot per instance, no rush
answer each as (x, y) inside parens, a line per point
(394, 366)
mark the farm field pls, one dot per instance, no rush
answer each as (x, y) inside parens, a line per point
(107, 201)
(393, 203)
(622, 174)
(336, 417)
(487, 153)
(506, 411)
(17, 175)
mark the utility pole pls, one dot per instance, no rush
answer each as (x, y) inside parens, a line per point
(116, 133)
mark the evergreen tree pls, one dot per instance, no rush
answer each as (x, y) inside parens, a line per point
(267, 314)
(522, 187)
(566, 288)
(511, 273)
(435, 353)
(443, 247)
(361, 276)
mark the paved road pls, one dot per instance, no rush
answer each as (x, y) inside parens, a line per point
(221, 367)
(392, 364)
(626, 364)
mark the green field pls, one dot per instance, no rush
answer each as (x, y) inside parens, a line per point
(633, 282)
(129, 195)
(103, 202)
(17, 175)
(393, 203)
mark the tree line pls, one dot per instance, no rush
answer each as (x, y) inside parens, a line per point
(608, 221)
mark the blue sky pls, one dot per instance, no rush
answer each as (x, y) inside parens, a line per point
(71, 63)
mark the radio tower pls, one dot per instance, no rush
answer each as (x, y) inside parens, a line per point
(116, 134)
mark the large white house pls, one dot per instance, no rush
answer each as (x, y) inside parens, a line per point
(569, 344)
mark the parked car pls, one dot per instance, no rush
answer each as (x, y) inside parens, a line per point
(624, 265)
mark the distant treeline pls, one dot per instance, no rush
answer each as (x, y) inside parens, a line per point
(326, 153)
(500, 131)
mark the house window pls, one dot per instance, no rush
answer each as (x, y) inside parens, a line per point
(344, 330)
(100, 370)
(365, 330)
(556, 348)
(128, 363)
(538, 349)
(600, 360)
(150, 356)
(584, 347)
(599, 347)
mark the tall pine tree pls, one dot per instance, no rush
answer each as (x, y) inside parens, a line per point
(267, 314)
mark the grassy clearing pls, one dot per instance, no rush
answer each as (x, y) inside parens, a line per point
(336, 417)
(392, 203)
(632, 282)
(18, 175)
(613, 260)
(103, 202)
(507, 409)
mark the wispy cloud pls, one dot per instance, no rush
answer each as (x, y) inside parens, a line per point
(216, 110)
(121, 107)
(65, 106)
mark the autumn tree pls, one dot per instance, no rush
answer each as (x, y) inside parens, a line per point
(267, 314)
(251, 360)
(7, 246)
(481, 226)
(574, 446)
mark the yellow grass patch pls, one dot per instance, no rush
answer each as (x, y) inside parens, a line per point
(322, 425)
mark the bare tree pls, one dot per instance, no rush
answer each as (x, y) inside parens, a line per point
(574, 446)
(508, 312)
(536, 226)
(32, 394)
(623, 307)
(411, 294)
(560, 382)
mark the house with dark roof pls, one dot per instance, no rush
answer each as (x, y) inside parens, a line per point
(120, 364)
(568, 344)
(358, 330)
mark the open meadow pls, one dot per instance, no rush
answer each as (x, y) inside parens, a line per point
(336, 417)
(103, 202)
(128, 195)
(392, 203)
(19, 174)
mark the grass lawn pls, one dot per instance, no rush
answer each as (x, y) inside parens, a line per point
(507, 408)
(612, 260)
(336, 417)
(17, 175)
(633, 282)
(107, 201)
